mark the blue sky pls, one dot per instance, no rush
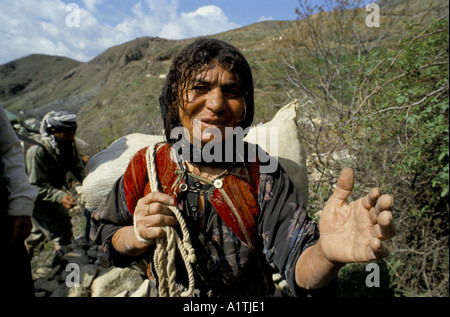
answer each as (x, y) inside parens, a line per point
(241, 12)
(40, 26)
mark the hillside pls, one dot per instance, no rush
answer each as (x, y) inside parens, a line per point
(117, 92)
(33, 80)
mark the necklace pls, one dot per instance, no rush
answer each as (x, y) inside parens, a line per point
(216, 182)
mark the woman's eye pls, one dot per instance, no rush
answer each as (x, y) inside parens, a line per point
(199, 89)
(232, 93)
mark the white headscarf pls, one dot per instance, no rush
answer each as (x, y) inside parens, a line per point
(60, 121)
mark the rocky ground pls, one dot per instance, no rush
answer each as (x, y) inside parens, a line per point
(81, 269)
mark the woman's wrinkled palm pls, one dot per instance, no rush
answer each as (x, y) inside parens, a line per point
(352, 232)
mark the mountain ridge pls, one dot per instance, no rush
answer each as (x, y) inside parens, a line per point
(116, 93)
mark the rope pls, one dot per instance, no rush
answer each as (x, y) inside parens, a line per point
(164, 256)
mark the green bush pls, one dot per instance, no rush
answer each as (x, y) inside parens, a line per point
(387, 105)
(403, 134)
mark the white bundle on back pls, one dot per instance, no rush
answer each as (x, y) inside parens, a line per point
(289, 147)
(105, 167)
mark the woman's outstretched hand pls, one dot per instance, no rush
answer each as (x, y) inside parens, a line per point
(353, 232)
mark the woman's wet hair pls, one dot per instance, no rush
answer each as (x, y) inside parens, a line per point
(191, 61)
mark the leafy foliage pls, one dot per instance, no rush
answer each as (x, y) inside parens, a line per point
(413, 104)
(386, 106)
(405, 122)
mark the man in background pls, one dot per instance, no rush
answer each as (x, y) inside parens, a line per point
(47, 166)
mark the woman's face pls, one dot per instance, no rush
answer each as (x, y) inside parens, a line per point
(211, 102)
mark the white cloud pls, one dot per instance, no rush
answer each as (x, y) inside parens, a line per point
(205, 20)
(91, 5)
(39, 26)
(263, 18)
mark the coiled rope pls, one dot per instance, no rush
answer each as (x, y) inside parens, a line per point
(164, 255)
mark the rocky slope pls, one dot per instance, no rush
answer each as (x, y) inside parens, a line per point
(81, 269)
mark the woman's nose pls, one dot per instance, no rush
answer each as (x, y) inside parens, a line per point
(216, 100)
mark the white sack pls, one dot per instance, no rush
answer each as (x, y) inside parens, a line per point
(105, 167)
(290, 150)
